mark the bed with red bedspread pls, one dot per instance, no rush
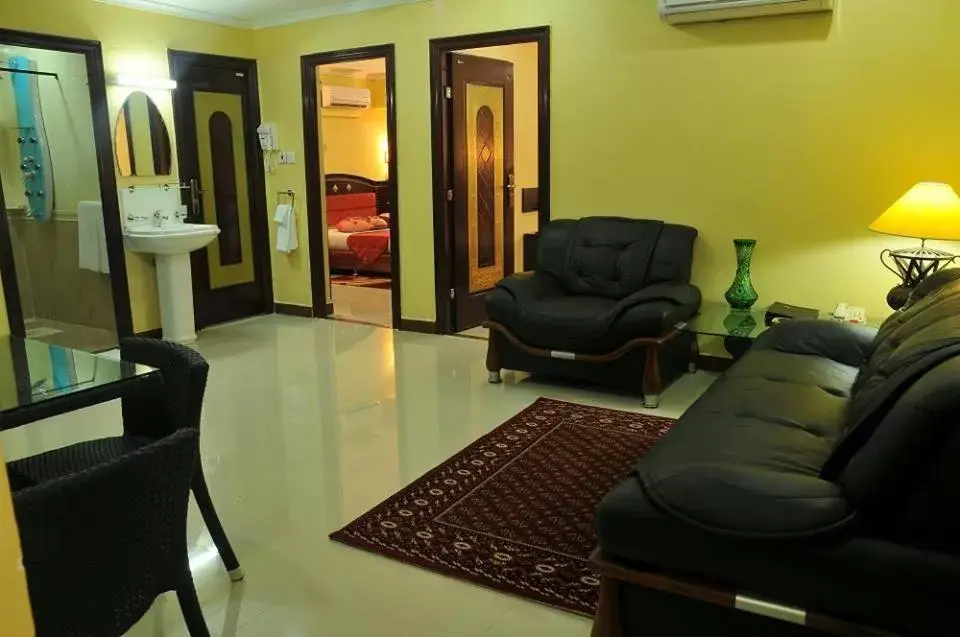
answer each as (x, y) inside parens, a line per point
(358, 224)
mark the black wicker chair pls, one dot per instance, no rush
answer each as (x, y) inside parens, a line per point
(102, 542)
(184, 374)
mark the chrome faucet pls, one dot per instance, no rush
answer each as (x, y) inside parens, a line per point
(159, 217)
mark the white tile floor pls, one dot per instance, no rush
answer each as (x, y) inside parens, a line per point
(370, 305)
(307, 425)
(476, 332)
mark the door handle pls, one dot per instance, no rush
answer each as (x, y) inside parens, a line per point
(511, 181)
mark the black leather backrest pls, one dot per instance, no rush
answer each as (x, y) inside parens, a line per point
(613, 257)
(908, 346)
(553, 244)
(610, 256)
(673, 256)
(906, 478)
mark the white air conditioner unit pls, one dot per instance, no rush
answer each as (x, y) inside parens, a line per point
(345, 97)
(683, 11)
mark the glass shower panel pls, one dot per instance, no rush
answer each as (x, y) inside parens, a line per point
(51, 187)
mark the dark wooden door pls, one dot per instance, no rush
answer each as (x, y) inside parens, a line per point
(481, 150)
(217, 112)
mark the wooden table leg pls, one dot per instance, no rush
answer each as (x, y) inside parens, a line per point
(493, 359)
(652, 379)
(694, 354)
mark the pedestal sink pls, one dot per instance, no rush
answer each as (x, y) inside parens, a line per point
(172, 245)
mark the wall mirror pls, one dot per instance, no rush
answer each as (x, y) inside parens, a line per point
(142, 139)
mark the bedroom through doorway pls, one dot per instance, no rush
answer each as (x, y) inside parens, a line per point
(354, 175)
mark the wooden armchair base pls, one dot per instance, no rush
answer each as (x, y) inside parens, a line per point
(652, 384)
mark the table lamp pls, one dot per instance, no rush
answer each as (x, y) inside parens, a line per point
(927, 211)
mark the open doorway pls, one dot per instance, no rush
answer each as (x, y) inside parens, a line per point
(349, 130)
(491, 165)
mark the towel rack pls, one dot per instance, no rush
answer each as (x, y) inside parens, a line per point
(287, 193)
(163, 187)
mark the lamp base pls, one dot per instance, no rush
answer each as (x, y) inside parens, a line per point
(912, 266)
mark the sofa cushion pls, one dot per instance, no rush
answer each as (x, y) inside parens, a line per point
(536, 310)
(756, 440)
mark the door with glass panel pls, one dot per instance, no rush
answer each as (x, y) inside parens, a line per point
(217, 113)
(482, 156)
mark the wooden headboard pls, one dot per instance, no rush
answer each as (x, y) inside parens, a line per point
(344, 184)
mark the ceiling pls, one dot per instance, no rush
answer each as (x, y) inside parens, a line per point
(255, 14)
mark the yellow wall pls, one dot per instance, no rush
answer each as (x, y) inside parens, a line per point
(136, 43)
(795, 131)
(16, 620)
(526, 154)
(354, 141)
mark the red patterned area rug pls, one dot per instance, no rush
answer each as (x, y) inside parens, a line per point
(515, 510)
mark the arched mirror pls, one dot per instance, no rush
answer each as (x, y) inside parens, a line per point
(142, 140)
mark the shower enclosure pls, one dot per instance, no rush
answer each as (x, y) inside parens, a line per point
(56, 258)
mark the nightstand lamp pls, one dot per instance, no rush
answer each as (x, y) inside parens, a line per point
(927, 211)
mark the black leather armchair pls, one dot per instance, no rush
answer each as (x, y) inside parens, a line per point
(602, 306)
(815, 482)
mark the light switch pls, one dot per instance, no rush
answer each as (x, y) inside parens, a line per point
(288, 157)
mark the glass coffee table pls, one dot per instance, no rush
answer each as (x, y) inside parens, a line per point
(738, 328)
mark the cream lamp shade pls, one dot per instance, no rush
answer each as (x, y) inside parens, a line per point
(927, 211)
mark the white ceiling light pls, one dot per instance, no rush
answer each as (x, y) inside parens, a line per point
(136, 81)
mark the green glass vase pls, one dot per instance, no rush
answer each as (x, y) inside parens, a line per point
(741, 295)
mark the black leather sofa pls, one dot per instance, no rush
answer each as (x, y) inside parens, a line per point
(817, 482)
(602, 306)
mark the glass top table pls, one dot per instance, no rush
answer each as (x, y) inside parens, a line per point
(39, 380)
(719, 319)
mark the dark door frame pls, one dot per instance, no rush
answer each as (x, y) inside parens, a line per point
(179, 61)
(103, 141)
(317, 232)
(443, 173)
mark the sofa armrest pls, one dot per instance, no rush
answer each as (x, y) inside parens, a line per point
(749, 503)
(677, 292)
(845, 343)
(532, 285)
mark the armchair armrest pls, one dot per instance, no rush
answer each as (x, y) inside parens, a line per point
(676, 292)
(844, 343)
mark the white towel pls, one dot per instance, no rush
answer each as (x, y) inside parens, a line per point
(286, 228)
(92, 237)
(102, 243)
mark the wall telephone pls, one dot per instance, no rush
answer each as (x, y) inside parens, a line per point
(844, 312)
(268, 137)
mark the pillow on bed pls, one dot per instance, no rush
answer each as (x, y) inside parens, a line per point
(355, 224)
(379, 223)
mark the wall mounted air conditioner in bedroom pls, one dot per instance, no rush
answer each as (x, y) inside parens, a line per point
(345, 97)
(683, 11)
